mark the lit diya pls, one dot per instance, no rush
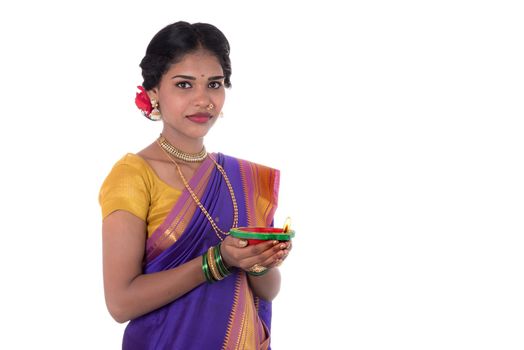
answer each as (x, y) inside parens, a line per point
(255, 235)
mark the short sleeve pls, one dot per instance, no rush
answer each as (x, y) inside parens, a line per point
(126, 188)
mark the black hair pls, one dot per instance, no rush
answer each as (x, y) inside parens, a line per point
(174, 41)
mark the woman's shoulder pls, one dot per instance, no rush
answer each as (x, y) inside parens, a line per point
(131, 162)
(127, 187)
(131, 169)
(132, 159)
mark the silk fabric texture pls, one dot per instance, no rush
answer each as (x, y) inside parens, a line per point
(226, 314)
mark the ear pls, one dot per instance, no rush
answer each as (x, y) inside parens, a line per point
(153, 94)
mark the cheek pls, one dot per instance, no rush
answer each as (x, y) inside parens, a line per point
(221, 98)
(171, 102)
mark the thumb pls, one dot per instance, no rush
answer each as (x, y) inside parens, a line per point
(241, 243)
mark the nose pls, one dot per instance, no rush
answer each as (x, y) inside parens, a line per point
(202, 98)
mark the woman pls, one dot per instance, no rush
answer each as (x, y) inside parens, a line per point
(169, 264)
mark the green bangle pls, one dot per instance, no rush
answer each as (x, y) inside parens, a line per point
(205, 268)
(217, 263)
(224, 271)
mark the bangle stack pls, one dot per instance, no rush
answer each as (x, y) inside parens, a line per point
(213, 266)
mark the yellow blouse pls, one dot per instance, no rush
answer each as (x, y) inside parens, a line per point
(132, 185)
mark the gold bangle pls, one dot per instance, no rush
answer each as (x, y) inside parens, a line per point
(212, 264)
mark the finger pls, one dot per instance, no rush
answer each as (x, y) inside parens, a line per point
(280, 260)
(229, 240)
(271, 261)
(270, 250)
(269, 256)
(262, 247)
(236, 251)
(277, 263)
(233, 250)
(276, 258)
(236, 242)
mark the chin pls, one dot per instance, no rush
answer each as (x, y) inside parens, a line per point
(191, 131)
(197, 134)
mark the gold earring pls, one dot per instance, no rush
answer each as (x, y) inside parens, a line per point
(221, 115)
(155, 113)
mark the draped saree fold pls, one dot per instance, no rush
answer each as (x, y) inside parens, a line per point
(226, 314)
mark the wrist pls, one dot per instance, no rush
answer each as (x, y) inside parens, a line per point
(213, 265)
(224, 259)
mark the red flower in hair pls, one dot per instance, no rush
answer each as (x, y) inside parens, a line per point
(143, 102)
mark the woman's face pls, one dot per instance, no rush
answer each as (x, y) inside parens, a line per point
(191, 95)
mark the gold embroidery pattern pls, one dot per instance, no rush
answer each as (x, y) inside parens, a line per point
(179, 224)
(245, 188)
(241, 331)
(233, 311)
(245, 329)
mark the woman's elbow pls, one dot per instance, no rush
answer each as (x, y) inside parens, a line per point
(118, 312)
(268, 296)
(268, 293)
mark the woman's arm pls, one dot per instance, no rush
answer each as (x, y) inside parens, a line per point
(266, 286)
(128, 292)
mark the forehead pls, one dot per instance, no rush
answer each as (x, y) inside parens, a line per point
(198, 64)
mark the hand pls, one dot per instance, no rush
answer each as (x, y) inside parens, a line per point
(288, 249)
(236, 252)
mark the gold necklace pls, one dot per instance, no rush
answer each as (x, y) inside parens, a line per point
(186, 157)
(197, 201)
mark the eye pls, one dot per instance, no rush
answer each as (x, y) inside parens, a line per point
(183, 85)
(215, 85)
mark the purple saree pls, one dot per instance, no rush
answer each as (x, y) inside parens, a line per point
(223, 315)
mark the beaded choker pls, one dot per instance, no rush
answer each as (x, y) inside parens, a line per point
(181, 155)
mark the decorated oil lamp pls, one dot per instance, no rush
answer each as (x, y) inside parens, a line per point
(255, 235)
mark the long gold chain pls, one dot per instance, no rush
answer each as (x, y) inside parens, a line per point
(197, 201)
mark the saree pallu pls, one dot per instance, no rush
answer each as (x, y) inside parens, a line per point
(225, 314)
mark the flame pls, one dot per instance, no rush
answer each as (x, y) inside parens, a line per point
(287, 224)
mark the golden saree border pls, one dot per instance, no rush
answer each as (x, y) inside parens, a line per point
(179, 217)
(245, 330)
(260, 185)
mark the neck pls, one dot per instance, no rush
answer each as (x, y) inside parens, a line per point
(182, 142)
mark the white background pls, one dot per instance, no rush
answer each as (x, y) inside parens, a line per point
(397, 126)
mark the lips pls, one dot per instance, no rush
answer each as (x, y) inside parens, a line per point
(200, 118)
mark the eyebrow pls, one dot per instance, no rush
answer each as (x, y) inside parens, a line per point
(188, 77)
